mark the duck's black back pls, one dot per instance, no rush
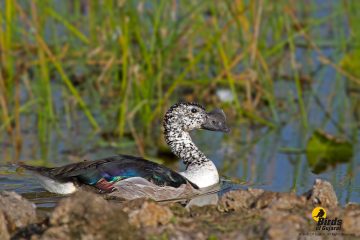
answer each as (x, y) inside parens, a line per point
(113, 169)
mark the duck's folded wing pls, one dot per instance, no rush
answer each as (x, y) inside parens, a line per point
(103, 173)
(137, 187)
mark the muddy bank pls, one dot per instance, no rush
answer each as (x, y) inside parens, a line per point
(238, 214)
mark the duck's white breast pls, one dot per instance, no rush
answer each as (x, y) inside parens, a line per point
(203, 176)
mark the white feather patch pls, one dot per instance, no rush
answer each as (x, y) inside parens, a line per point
(204, 175)
(56, 187)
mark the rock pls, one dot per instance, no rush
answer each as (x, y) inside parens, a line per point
(256, 192)
(150, 214)
(282, 201)
(33, 231)
(266, 199)
(282, 232)
(351, 219)
(63, 232)
(283, 224)
(258, 198)
(4, 234)
(181, 233)
(322, 194)
(86, 215)
(239, 199)
(203, 200)
(15, 211)
(241, 214)
(236, 235)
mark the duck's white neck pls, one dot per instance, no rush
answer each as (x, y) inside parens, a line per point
(199, 169)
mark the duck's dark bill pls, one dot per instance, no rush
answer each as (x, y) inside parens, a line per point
(216, 121)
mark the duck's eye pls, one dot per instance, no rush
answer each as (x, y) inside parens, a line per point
(194, 110)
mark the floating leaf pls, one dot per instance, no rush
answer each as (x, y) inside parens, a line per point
(324, 150)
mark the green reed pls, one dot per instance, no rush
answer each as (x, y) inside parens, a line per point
(140, 56)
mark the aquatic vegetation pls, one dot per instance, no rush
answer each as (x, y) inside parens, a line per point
(108, 70)
(324, 150)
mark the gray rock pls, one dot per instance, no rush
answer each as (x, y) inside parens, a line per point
(283, 224)
(15, 211)
(150, 214)
(4, 233)
(239, 199)
(351, 219)
(282, 201)
(240, 214)
(86, 215)
(322, 194)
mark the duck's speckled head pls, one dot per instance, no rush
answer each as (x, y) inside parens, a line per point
(190, 116)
